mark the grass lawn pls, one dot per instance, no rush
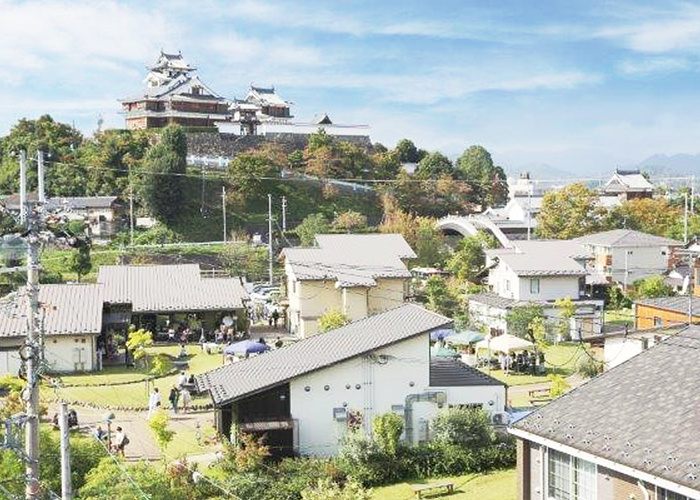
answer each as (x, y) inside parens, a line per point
(619, 318)
(499, 485)
(135, 394)
(55, 260)
(560, 359)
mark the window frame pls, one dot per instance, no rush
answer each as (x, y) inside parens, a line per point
(539, 286)
(577, 478)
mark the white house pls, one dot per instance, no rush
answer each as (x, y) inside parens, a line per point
(306, 396)
(70, 318)
(622, 345)
(357, 274)
(624, 256)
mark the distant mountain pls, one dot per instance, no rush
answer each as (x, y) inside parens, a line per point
(541, 171)
(676, 165)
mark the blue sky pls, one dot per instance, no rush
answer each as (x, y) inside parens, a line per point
(580, 85)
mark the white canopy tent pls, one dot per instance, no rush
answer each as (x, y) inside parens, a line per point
(505, 343)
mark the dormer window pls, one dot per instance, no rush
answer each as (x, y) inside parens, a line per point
(196, 90)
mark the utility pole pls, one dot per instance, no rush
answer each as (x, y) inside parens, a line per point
(223, 208)
(131, 208)
(33, 351)
(685, 219)
(22, 187)
(269, 234)
(529, 213)
(692, 195)
(691, 290)
(284, 213)
(66, 484)
(40, 168)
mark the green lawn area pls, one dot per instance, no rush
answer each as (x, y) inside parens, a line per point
(134, 394)
(619, 318)
(57, 261)
(499, 485)
(560, 359)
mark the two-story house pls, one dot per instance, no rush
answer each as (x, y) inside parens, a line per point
(356, 274)
(624, 255)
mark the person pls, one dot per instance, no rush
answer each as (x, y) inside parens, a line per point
(173, 398)
(508, 361)
(220, 334)
(183, 351)
(99, 433)
(153, 401)
(120, 441)
(186, 399)
(171, 334)
(72, 419)
(181, 380)
(261, 340)
(278, 342)
(275, 317)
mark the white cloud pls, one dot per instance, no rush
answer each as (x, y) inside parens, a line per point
(275, 52)
(654, 65)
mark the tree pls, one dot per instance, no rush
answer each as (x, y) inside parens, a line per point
(464, 426)
(434, 166)
(332, 319)
(163, 184)
(81, 262)
(469, 259)
(349, 221)
(248, 171)
(649, 215)
(567, 310)
(138, 343)
(520, 321)
(407, 151)
(569, 213)
(488, 182)
(311, 226)
(652, 287)
(158, 423)
(440, 296)
(387, 429)
(430, 244)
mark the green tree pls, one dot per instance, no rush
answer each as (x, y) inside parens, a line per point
(247, 260)
(487, 181)
(138, 343)
(430, 244)
(464, 426)
(81, 261)
(158, 424)
(649, 215)
(652, 287)
(434, 166)
(440, 296)
(407, 151)
(163, 184)
(332, 319)
(248, 171)
(468, 260)
(569, 213)
(567, 310)
(386, 164)
(520, 320)
(311, 226)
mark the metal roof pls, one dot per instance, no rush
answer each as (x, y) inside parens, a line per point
(351, 259)
(677, 303)
(450, 372)
(642, 414)
(67, 309)
(626, 238)
(238, 380)
(542, 263)
(169, 288)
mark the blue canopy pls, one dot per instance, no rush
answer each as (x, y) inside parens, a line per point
(246, 347)
(441, 333)
(465, 337)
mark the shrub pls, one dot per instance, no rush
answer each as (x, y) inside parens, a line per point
(588, 367)
(247, 454)
(326, 489)
(559, 385)
(331, 320)
(157, 235)
(158, 423)
(161, 364)
(463, 426)
(387, 431)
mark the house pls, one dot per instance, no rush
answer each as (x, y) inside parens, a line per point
(306, 396)
(624, 255)
(157, 296)
(621, 345)
(628, 185)
(174, 93)
(628, 433)
(357, 274)
(103, 214)
(490, 311)
(666, 311)
(70, 319)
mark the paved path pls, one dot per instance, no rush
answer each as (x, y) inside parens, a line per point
(141, 445)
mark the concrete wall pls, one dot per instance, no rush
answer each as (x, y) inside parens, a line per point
(64, 353)
(371, 388)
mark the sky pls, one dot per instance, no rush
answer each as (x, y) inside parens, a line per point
(579, 85)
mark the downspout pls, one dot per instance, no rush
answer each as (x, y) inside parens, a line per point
(644, 490)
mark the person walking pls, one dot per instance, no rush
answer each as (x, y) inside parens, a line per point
(181, 380)
(275, 317)
(120, 441)
(186, 399)
(153, 401)
(173, 398)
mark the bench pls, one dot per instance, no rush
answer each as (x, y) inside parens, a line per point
(419, 489)
(539, 396)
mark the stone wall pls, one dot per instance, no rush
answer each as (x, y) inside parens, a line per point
(228, 145)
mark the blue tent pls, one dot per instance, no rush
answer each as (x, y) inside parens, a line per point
(465, 337)
(441, 333)
(246, 347)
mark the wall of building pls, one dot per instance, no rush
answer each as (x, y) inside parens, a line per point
(493, 318)
(646, 316)
(355, 302)
(641, 262)
(506, 283)
(371, 388)
(619, 349)
(10, 361)
(388, 293)
(66, 353)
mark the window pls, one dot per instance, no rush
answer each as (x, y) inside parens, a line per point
(645, 344)
(507, 286)
(657, 321)
(670, 495)
(534, 285)
(570, 478)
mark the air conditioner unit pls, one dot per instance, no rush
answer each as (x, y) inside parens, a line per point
(500, 418)
(340, 414)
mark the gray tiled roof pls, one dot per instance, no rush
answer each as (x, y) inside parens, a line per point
(642, 414)
(621, 238)
(542, 263)
(237, 380)
(169, 288)
(351, 259)
(68, 309)
(678, 303)
(493, 300)
(449, 372)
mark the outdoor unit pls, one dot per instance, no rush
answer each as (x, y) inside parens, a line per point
(340, 414)
(500, 418)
